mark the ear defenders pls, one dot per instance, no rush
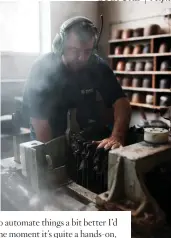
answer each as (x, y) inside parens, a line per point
(58, 42)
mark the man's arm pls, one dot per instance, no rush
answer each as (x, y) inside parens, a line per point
(42, 130)
(122, 116)
(38, 101)
(114, 96)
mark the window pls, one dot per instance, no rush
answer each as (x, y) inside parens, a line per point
(20, 27)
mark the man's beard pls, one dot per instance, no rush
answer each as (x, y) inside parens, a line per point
(76, 66)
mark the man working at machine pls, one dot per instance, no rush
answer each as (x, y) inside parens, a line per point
(70, 77)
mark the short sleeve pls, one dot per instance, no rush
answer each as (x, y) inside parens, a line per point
(36, 93)
(109, 87)
(39, 106)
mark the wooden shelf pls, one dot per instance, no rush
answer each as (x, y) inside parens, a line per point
(139, 38)
(147, 106)
(141, 55)
(155, 58)
(147, 89)
(143, 72)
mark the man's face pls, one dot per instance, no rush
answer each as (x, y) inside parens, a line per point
(76, 52)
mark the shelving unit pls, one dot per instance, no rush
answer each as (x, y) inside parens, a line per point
(141, 55)
(143, 72)
(142, 38)
(155, 75)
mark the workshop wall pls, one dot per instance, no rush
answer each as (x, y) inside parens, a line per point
(61, 11)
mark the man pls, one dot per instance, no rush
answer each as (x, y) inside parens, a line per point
(70, 77)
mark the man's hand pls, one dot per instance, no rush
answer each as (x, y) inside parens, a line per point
(109, 143)
(122, 114)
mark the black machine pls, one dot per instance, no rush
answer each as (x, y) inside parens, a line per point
(87, 164)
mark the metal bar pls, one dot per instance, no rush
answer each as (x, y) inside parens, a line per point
(83, 192)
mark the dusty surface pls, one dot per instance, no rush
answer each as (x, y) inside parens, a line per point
(141, 150)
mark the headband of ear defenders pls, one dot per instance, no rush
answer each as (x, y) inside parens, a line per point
(57, 45)
(72, 21)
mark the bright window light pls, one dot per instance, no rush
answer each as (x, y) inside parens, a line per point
(19, 26)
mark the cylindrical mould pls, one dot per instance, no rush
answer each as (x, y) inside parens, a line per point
(163, 48)
(120, 66)
(137, 98)
(139, 66)
(165, 101)
(152, 29)
(149, 99)
(136, 82)
(127, 81)
(148, 66)
(137, 49)
(164, 65)
(146, 49)
(156, 135)
(146, 83)
(128, 50)
(164, 83)
(118, 50)
(130, 66)
(138, 32)
(127, 33)
(116, 33)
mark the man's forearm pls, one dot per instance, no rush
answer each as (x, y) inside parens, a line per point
(42, 130)
(122, 116)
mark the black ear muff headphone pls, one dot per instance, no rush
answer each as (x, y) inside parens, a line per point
(58, 42)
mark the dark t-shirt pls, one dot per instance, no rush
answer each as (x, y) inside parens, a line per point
(51, 89)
